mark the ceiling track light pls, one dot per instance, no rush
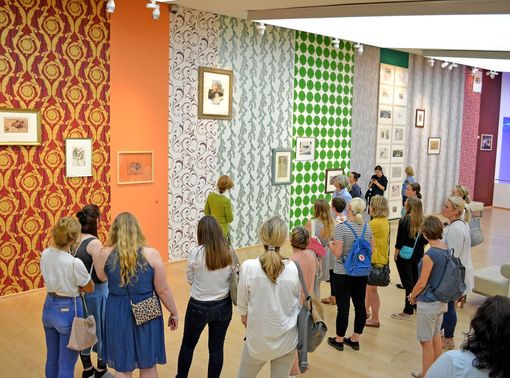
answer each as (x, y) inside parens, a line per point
(474, 71)
(151, 4)
(156, 13)
(452, 66)
(261, 28)
(110, 6)
(431, 62)
(359, 46)
(444, 65)
(492, 74)
(336, 43)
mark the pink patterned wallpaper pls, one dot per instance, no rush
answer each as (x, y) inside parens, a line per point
(470, 124)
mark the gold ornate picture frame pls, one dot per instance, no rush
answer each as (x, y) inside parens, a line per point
(214, 93)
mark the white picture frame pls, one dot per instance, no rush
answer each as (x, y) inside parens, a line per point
(400, 96)
(383, 153)
(78, 152)
(305, 149)
(384, 134)
(396, 172)
(385, 114)
(387, 74)
(399, 115)
(397, 153)
(398, 134)
(395, 209)
(395, 190)
(386, 94)
(401, 77)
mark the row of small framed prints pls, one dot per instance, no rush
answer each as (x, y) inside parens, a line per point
(388, 153)
(388, 114)
(387, 134)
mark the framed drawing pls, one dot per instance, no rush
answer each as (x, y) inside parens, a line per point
(382, 154)
(395, 190)
(486, 142)
(395, 209)
(398, 134)
(401, 77)
(78, 157)
(397, 172)
(281, 166)
(20, 127)
(434, 147)
(399, 115)
(420, 118)
(397, 153)
(383, 134)
(330, 173)
(385, 169)
(387, 74)
(135, 167)
(385, 114)
(386, 94)
(214, 93)
(400, 96)
(305, 149)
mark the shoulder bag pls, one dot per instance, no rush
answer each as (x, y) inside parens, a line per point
(315, 244)
(380, 274)
(310, 324)
(145, 310)
(406, 252)
(83, 330)
(234, 277)
(475, 231)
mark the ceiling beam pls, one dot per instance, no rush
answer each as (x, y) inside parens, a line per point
(504, 55)
(393, 8)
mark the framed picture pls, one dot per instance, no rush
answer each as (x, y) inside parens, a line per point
(387, 74)
(400, 96)
(399, 115)
(395, 190)
(395, 209)
(397, 153)
(382, 154)
(401, 77)
(20, 127)
(420, 118)
(486, 142)
(385, 115)
(386, 94)
(330, 173)
(385, 169)
(135, 167)
(434, 147)
(78, 157)
(214, 93)
(281, 166)
(305, 149)
(383, 134)
(398, 134)
(397, 172)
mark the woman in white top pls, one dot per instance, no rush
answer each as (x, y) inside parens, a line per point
(64, 276)
(268, 301)
(457, 237)
(208, 272)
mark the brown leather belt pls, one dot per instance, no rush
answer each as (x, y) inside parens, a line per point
(55, 295)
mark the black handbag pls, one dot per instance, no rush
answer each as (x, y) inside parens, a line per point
(379, 275)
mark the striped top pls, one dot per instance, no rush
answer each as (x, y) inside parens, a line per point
(342, 232)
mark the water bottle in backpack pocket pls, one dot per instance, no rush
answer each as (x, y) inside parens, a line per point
(451, 286)
(359, 260)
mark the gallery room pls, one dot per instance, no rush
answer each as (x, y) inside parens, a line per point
(141, 106)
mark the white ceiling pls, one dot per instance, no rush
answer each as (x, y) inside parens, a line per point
(466, 28)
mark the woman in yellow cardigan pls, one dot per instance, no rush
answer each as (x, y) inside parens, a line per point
(220, 207)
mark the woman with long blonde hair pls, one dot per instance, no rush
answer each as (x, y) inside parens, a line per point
(135, 272)
(409, 239)
(268, 300)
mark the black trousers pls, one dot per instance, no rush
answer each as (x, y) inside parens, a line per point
(347, 288)
(408, 272)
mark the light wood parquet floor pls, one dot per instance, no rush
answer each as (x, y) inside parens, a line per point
(390, 351)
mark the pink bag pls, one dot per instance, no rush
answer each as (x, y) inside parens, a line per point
(316, 246)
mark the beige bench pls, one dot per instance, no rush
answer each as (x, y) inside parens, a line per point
(493, 280)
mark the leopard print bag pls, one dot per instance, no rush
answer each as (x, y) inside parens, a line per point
(146, 310)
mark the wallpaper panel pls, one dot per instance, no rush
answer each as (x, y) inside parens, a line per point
(53, 57)
(323, 88)
(262, 119)
(470, 124)
(192, 142)
(441, 93)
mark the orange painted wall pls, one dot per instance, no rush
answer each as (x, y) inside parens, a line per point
(139, 64)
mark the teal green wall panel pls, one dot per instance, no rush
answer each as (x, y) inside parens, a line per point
(396, 58)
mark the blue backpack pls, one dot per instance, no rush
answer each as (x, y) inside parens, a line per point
(359, 260)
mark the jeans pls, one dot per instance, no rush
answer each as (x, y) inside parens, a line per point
(347, 287)
(58, 314)
(449, 320)
(216, 314)
(408, 272)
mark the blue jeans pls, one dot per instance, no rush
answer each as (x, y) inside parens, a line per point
(216, 314)
(96, 305)
(58, 314)
(449, 321)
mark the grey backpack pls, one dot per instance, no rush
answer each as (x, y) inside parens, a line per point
(451, 286)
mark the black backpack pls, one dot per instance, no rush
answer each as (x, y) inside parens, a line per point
(451, 285)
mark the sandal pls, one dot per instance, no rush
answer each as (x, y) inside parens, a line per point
(329, 300)
(401, 316)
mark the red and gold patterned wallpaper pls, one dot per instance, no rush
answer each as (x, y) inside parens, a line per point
(54, 56)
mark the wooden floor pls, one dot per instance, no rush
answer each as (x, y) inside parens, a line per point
(390, 351)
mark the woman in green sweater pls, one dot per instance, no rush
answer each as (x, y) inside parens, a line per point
(219, 206)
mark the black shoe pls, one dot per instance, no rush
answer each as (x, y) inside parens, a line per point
(399, 286)
(88, 373)
(353, 344)
(335, 344)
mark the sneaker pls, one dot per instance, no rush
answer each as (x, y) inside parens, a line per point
(401, 316)
(335, 344)
(353, 344)
(88, 373)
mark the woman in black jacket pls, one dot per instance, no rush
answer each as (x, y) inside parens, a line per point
(377, 185)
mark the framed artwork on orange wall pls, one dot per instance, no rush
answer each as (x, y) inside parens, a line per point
(135, 167)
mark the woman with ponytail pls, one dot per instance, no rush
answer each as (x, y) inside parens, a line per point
(134, 272)
(268, 300)
(349, 287)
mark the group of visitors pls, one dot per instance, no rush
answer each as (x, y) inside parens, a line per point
(125, 272)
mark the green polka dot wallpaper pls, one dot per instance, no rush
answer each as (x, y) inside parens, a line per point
(322, 109)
